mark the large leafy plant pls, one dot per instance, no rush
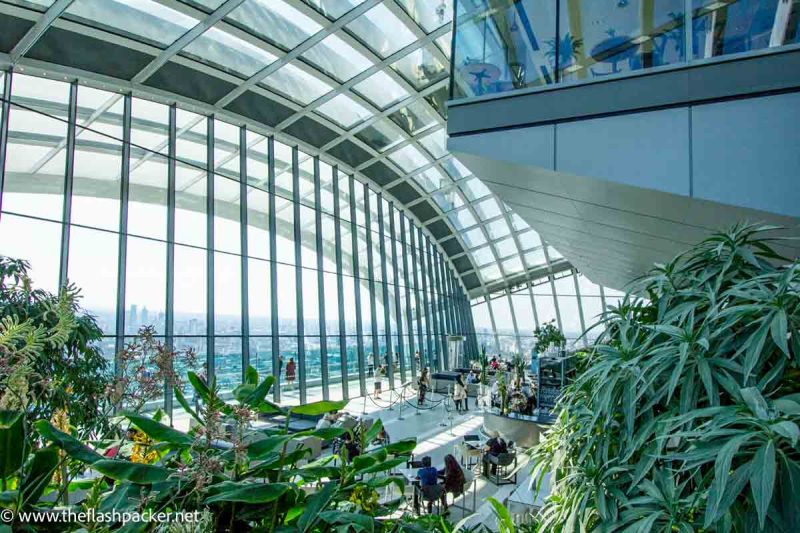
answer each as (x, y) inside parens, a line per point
(685, 415)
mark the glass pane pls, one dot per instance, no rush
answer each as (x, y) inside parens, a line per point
(409, 158)
(431, 179)
(413, 118)
(145, 285)
(93, 268)
(275, 21)
(344, 110)
(141, 19)
(381, 135)
(431, 14)
(642, 34)
(333, 9)
(229, 52)
(435, 143)
(373, 28)
(35, 241)
(294, 81)
(381, 89)
(228, 362)
(721, 28)
(227, 294)
(421, 67)
(337, 58)
(509, 44)
(190, 291)
(259, 297)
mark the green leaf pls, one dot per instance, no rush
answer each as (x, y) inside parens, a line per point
(74, 448)
(39, 473)
(789, 407)
(200, 388)
(159, 432)
(318, 408)
(141, 474)
(251, 375)
(721, 468)
(778, 329)
(384, 466)
(505, 524)
(258, 449)
(185, 404)
(315, 504)
(12, 442)
(757, 404)
(762, 480)
(259, 393)
(358, 522)
(376, 427)
(787, 429)
(246, 492)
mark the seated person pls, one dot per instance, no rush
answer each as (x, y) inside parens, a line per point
(454, 480)
(472, 377)
(494, 447)
(351, 447)
(329, 420)
(429, 483)
(382, 438)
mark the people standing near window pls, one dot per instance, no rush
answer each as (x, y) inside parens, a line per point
(370, 364)
(459, 393)
(290, 373)
(422, 386)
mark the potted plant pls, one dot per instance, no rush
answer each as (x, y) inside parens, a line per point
(548, 337)
(483, 361)
(502, 389)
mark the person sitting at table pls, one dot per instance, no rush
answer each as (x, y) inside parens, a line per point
(429, 483)
(493, 364)
(472, 377)
(351, 447)
(454, 480)
(494, 447)
(382, 438)
(329, 420)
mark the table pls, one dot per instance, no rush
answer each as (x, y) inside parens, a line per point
(410, 474)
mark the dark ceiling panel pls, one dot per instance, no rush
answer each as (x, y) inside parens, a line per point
(350, 153)
(439, 229)
(452, 247)
(188, 82)
(87, 53)
(462, 264)
(404, 192)
(260, 108)
(310, 131)
(380, 173)
(471, 281)
(12, 29)
(424, 211)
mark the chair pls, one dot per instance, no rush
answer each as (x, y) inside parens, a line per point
(505, 472)
(431, 496)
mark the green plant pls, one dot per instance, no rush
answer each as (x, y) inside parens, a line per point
(502, 390)
(483, 360)
(685, 415)
(548, 335)
(518, 365)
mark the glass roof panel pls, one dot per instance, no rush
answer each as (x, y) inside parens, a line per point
(381, 30)
(445, 42)
(420, 68)
(333, 9)
(430, 14)
(431, 179)
(140, 19)
(381, 89)
(482, 256)
(535, 258)
(413, 118)
(275, 21)
(435, 143)
(461, 219)
(491, 273)
(294, 82)
(513, 266)
(344, 110)
(529, 239)
(38, 5)
(409, 158)
(229, 52)
(488, 208)
(474, 189)
(516, 221)
(473, 238)
(506, 247)
(498, 229)
(456, 169)
(447, 200)
(381, 135)
(209, 5)
(553, 253)
(334, 56)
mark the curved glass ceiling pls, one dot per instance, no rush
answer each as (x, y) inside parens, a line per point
(372, 73)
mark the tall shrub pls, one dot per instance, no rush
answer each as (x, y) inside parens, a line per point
(685, 417)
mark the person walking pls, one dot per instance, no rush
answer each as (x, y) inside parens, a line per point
(422, 386)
